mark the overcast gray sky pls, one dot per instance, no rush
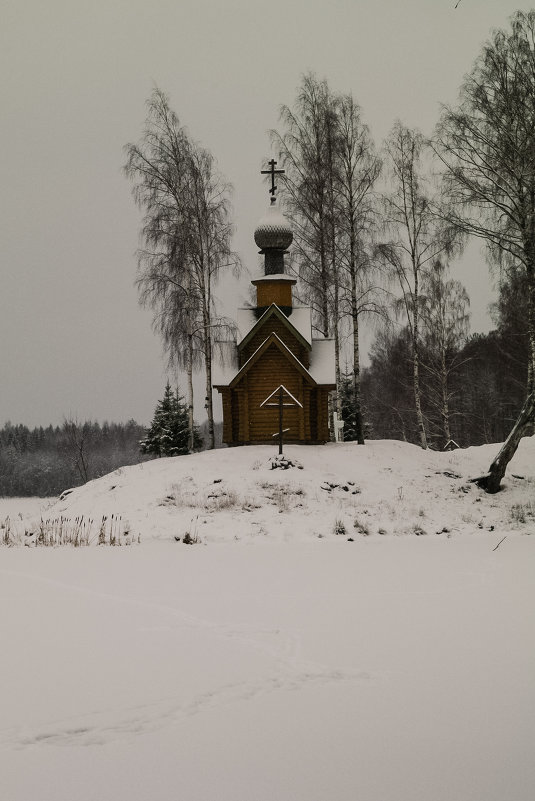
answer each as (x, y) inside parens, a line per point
(75, 77)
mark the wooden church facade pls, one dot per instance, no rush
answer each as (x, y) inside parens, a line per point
(275, 361)
(275, 354)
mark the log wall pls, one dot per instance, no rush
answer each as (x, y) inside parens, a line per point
(269, 292)
(245, 420)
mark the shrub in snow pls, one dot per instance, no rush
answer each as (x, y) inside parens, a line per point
(222, 499)
(521, 511)
(339, 528)
(418, 530)
(330, 486)
(8, 537)
(282, 496)
(190, 537)
(361, 527)
(284, 463)
(183, 494)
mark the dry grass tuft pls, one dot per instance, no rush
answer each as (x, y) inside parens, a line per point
(80, 532)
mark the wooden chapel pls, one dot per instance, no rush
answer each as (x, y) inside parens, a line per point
(275, 349)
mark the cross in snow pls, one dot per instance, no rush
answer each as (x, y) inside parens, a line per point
(280, 392)
(273, 172)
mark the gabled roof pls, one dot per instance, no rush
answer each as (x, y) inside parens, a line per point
(274, 311)
(272, 339)
(300, 318)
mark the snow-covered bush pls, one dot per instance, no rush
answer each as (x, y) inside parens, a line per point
(339, 528)
(520, 512)
(361, 527)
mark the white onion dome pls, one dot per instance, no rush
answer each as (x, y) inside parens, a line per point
(273, 231)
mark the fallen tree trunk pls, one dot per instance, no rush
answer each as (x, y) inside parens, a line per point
(523, 426)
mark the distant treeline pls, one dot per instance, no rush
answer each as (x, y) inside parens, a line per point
(45, 461)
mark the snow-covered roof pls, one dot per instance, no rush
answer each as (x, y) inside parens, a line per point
(275, 277)
(300, 318)
(273, 230)
(273, 337)
(322, 361)
(321, 370)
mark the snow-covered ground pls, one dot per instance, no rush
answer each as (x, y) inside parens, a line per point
(276, 659)
(385, 487)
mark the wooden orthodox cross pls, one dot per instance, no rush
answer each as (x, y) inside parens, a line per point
(273, 172)
(281, 392)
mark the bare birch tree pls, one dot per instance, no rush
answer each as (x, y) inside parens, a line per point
(487, 144)
(306, 151)
(357, 170)
(416, 240)
(445, 319)
(331, 168)
(211, 253)
(186, 238)
(77, 439)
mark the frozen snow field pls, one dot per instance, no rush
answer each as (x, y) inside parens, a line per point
(275, 658)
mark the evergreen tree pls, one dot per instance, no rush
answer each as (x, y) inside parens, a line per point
(355, 426)
(168, 434)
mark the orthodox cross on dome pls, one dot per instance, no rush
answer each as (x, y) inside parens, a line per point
(273, 172)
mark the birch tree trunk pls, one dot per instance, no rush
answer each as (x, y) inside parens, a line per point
(356, 349)
(445, 412)
(204, 276)
(531, 324)
(209, 401)
(417, 397)
(523, 426)
(324, 300)
(531, 335)
(336, 332)
(189, 375)
(416, 362)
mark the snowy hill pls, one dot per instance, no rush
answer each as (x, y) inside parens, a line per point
(385, 487)
(274, 660)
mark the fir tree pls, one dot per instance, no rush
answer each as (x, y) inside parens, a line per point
(350, 415)
(169, 431)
